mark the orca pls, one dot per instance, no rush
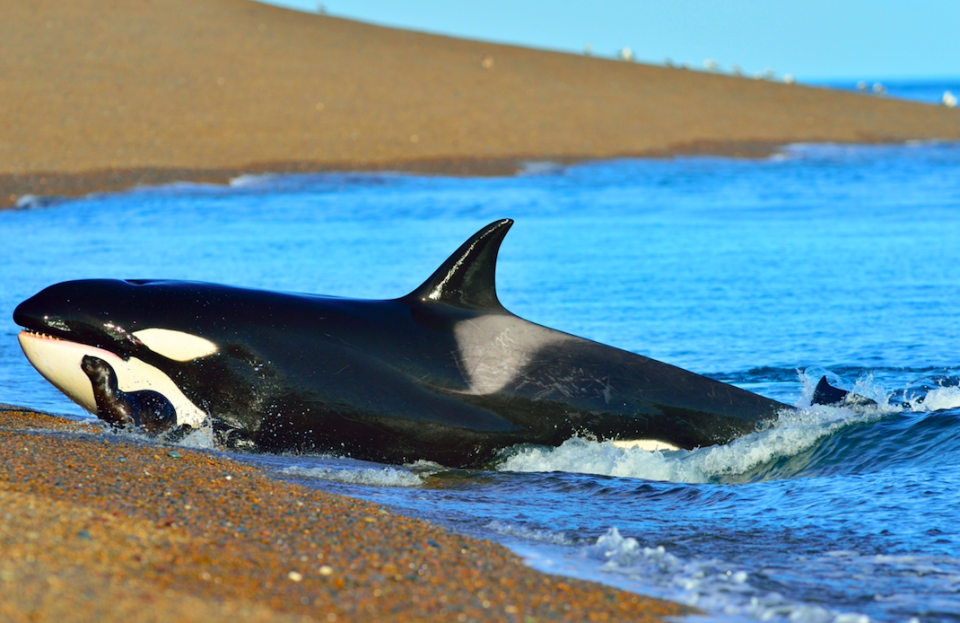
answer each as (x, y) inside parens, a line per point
(443, 374)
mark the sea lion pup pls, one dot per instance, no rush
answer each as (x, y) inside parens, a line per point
(144, 409)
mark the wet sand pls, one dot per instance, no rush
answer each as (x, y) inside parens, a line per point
(97, 528)
(101, 95)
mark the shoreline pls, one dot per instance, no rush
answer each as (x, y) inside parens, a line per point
(54, 185)
(97, 527)
(185, 90)
(67, 185)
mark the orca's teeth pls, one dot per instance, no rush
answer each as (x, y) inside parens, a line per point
(44, 336)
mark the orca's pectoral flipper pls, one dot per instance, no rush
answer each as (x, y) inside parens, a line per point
(827, 394)
(468, 277)
(146, 409)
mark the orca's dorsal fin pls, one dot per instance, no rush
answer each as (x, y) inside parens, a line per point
(468, 277)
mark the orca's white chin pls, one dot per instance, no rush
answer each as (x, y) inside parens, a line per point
(58, 361)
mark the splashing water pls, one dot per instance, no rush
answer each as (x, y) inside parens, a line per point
(376, 477)
(790, 435)
(830, 258)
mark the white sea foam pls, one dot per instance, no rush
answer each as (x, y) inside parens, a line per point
(721, 589)
(938, 399)
(376, 477)
(530, 534)
(27, 202)
(540, 167)
(201, 437)
(791, 434)
(248, 180)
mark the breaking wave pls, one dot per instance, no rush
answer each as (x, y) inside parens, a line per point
(811, 440)
(370, 476)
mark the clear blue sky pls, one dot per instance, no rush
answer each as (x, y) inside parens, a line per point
(814, 40)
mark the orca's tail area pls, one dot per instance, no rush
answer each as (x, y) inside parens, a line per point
(827, 394)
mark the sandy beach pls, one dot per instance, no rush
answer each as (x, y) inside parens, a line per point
(101, 95)
(98, 528)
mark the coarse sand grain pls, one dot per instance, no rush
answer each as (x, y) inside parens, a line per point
(95, 527)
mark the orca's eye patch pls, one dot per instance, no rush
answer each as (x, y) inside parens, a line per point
(176, 345)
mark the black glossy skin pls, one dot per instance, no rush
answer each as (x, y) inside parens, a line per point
(397, 380)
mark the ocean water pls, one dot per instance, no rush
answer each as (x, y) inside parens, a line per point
(930, 91)
(825, 259)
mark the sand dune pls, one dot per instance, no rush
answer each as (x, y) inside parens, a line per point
(99, 93)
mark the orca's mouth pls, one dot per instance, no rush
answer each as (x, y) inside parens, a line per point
(29, 335)
(83, 338)
(59, 361)
(41, 335)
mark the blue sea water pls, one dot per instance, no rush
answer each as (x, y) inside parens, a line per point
(766, 274)
(930, 91)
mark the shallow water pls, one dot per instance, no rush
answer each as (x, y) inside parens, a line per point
(824, 259)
